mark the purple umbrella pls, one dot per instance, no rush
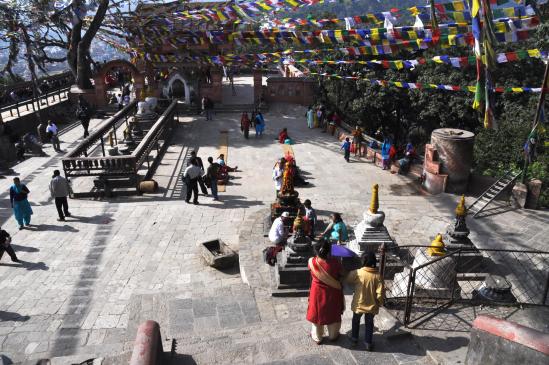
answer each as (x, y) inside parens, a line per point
(342, 251)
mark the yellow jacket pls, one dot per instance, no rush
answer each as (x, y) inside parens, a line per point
(368, 290)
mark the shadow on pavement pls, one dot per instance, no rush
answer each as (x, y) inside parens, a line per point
(12, 316)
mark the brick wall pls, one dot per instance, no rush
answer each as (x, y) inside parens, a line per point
(296, 90)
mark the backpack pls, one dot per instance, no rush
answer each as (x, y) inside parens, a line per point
(269, 254)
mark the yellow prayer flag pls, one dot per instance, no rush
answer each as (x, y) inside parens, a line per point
(476, 8)
(399, 64)
(398, 84)
(459, 6)
(414, 10)
(292, 3)
(517, 89)
(534, 53)
(472, 89)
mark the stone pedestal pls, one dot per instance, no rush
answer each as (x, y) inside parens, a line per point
(534, 191)
(431, 281)
(370, 233)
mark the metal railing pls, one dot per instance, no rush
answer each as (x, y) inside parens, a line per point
(35, 103)
(420, 286)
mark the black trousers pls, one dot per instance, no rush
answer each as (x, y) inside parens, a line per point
(203, 187)
(62, 207)
(192, 187)
(9, 250)
(86, 125)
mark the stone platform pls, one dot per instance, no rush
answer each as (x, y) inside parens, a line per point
(75, 295)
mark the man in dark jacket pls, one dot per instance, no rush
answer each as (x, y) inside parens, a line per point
(211, 177)
(83, 114)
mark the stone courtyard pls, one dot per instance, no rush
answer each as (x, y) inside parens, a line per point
(86, 284)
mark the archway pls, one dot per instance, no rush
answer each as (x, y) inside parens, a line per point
(177, 88)
(104, 79)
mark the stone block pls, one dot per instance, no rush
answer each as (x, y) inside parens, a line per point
(378, 160)
(534, 191)
(370, 154)
(432, 166)
(430, 153)
(435, 183)
(519, 195)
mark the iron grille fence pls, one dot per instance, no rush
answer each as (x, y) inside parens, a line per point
(419, 286)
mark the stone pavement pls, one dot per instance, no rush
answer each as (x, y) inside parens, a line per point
(86, 283)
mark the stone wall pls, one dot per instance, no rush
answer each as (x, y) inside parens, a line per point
(296, 90)
(496, 341)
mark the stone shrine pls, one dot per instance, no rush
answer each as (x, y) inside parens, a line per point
(436, 280)
(371, 233)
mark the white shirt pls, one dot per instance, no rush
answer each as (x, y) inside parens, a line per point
(192, 172)
(52, 128)
(277, 177)
(278, 232)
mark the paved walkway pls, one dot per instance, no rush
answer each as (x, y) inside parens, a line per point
(86, 283)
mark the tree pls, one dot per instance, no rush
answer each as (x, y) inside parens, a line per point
(41, 26)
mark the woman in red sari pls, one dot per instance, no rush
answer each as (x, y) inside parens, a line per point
(326, 302)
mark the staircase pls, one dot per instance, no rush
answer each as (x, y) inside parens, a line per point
(492, 193)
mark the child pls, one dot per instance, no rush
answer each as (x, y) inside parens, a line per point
(346, 146)
(367, 299)
(310, 217)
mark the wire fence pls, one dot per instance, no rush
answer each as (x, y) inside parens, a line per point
(418, 285)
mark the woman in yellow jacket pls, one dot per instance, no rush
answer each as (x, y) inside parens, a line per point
(368, 297)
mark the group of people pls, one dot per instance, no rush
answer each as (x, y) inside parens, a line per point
(327, 301)
(326, 298)
(319, 117)
(195, 175)
(22, 210)
(256, 121)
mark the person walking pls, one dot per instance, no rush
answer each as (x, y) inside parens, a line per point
(245, 125)
(190, 176)
(59, 189)
(211, 177)
(326, 300)
(5, 245)
(83, 114)
(310, 117)
(259, 124)
(367, 298)
(51, 133)
(19, 203)
(201, 183)
(346, 147)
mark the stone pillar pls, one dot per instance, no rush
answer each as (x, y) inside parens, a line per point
(217, 87)
(455, 151)
(258, 84)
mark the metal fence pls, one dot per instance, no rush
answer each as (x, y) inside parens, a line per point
(419, 286)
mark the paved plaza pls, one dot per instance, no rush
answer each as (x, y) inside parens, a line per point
(86, 284)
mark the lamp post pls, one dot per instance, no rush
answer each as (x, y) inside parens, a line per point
(544, 88)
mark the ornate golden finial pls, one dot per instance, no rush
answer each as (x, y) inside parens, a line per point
(374, 203)
(437, 247)
(461, 211)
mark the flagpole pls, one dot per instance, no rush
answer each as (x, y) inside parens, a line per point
(544, 88)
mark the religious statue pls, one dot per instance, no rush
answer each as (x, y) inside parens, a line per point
(458, 231)
(288, 179)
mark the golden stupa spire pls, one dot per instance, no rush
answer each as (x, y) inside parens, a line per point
(461, 211)
(374, 203)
